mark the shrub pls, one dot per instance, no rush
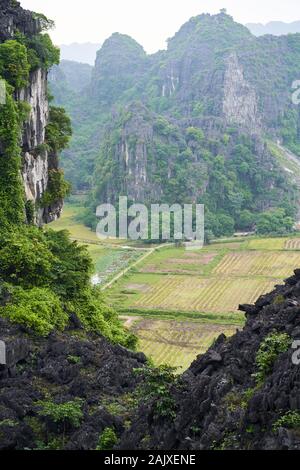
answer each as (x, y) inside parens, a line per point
(30, 211)
(41, 52)
(58, 130)
(38, 309)
(58, 188)
(70, 411)
(156, 387)
(71, 266)
(290, 420)
(74, 359)
(270, 348)
(194, 133)
(24, 109)
(96, 316)
(25, 258)
(14, 66)
(107, 440)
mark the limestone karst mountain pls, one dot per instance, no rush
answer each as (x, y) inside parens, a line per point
(182, 122)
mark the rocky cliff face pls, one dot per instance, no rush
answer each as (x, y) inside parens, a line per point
(240, 105)
(36, 160)
(14, 18)
(60, 369)
(155, 157)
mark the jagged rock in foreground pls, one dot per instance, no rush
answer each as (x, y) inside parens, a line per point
(60, 369)
(217, 403)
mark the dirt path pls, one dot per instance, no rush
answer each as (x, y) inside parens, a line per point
(128, 321)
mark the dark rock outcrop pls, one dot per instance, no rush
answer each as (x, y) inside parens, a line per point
(14, 18)
(61, 368)
(218, 402)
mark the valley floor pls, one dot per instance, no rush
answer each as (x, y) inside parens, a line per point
(179, 302)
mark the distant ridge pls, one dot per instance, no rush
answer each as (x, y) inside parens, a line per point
(277, 28)
(85, 52)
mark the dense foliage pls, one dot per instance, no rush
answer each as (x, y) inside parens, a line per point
(107, 439)
(58, 188)
(39, 309)
(44, 276)
(41, 52)
(47, 279)
(11, 188)
(58, 130)
(14, 66)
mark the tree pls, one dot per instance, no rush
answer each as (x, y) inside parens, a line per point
(59, 129)
(246, 220)
(14, 66)
(274, 221)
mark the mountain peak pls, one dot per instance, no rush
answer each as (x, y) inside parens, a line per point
(219, 28)
(118, 63)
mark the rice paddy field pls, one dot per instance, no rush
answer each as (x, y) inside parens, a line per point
(177, 301)
(187, 298)
(176, 342)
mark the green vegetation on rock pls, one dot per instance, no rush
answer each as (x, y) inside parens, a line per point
(270, 348)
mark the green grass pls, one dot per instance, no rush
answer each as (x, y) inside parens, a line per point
(68, 222)
(78, 231)
(267, 244)
(110, 261)
(224, 318)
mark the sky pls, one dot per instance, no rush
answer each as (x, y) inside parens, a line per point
(150, 22)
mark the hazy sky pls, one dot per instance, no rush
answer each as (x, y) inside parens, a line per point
(150, 22)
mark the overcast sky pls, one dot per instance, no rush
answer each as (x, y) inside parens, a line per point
(150, 22)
